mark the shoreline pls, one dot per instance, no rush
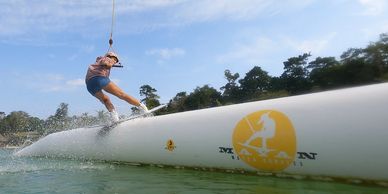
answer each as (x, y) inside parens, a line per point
(9, 147)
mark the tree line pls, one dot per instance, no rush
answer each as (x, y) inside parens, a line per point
(356, 66)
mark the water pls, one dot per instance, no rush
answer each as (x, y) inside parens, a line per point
(48, 175)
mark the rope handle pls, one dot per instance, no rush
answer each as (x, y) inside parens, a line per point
(120, 66)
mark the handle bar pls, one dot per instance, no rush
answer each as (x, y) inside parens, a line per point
(119, 65)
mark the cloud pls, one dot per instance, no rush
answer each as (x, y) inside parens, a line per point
(269, 51)
(263, 51)
(82, 50)
(316, 46)
(374, 7)
(166, 53)
(251, 52)
(60, 85)
(47, 82)
(21, 17)
(36, 18)
(208, 10)
(75, 82)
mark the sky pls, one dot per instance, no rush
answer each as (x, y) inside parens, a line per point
(171, 45)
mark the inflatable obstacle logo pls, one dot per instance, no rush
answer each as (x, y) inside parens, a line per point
(170, 145)
(265, 140)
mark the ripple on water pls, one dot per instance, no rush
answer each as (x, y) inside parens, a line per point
(50, 175)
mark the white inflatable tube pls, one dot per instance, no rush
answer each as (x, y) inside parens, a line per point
(338, 134)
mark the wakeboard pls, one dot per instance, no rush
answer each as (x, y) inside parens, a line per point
(142, 114)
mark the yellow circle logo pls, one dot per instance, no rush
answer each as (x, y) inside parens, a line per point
(265, 140)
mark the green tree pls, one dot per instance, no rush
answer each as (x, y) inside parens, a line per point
(376, 54)
(255, 82)
(231, 90)
(324, 72)
(62, 112)
(203, 97)
(352, 54)
(36, 124)
(177, 104)
(60, 120)
(3, 124)
(356, 72)
(360, 66)
(151, 99)
(16, 121)
(277, 84)
(296, 75)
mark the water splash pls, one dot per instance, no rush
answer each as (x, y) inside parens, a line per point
(10, 164)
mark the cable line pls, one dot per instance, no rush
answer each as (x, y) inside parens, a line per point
(112, 26)
(111, 34)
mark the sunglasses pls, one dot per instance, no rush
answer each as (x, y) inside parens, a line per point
(113, 58)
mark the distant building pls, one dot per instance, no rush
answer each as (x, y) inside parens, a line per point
(2, 115)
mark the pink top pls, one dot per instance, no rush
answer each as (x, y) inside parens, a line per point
(100, 68)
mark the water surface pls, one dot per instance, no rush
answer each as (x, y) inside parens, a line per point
(48, 175)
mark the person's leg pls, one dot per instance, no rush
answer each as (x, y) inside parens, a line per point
(108, 104)
(105, 100)
(115, 90)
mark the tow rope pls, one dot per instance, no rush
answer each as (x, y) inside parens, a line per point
(111, 34)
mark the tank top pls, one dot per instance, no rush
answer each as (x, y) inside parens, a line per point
(99, 68)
